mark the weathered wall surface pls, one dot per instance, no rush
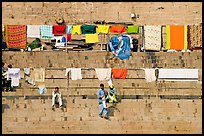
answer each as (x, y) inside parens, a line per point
(160, 13)
(156, 107)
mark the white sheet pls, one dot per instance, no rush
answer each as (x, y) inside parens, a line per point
(103, 73)
(33, 31)
(150, 75)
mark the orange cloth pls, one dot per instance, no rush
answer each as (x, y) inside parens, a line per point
(117, 29)
(177, 37)
(119, 73)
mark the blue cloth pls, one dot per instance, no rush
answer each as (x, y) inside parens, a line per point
(69, 29)
(63, 39)
(46, 31)
(120, 46)
(42, 90)
(101, 93)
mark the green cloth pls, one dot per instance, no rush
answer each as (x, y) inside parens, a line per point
(88, 29)
(35, 44)
(133, 29)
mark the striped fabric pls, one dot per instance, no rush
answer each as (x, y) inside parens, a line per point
(16, 36)
(46, 31)
(152, 38)
(195, 36)
(176, 37)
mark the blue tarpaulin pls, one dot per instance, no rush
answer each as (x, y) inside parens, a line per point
(120, 46)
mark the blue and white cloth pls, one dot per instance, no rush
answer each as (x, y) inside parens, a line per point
(46, 31)
(69, 29)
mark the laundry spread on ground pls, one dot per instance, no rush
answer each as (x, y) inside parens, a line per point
(104, 29)
(46, 31)
(33, 31)
(76, 29)
(119, 73)
(117, 29)
(69, 29)
(88, 29)
(103, 73)
(75, 73)
(133, 29)
(91, 38)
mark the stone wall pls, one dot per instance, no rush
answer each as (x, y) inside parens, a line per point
(154, 13)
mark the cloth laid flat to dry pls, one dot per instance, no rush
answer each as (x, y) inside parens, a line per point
(33, 31)
(103, 73)
(150, 75)
(39, 74)
(133, 29)
(16, 36)
(69, 29)
(176, 37)
(59, 29)
(102, 29)
(75, 73)
(42, 88)
(76, 29)
(26, 71)
(88, 29)
(14, 74)
(119, 73)
(182, 74)
(194, 36)
(46, 31)
(152, 38)
(117, 29)
(91, 38)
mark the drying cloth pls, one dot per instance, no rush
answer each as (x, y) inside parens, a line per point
(88, 29)
(176, 37)
(14, 81)
(103, 73)
(46, 31)
(16, 36)
(39, 74)
(14, 72)
(117, 29)
(103, 29)
(133, 29)
(120, 46)
(59, 29)
(75, 73)
(150, 75)
(110, 82)
(26, 71)
(178, 74)
(33, 31)
(119, 73)
(30, 80)
(76, 29)
(69, 29)
(59, 42)
(152, 38)
(91, 38)
(194, 36)
(41, 90)
(69, 38)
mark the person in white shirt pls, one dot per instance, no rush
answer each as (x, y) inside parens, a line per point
(56, 98)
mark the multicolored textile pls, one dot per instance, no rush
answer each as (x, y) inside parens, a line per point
(117, 29)
(119, 73)
(46, 31)
(176, 37)
(88, 29)
(16, 36)
(76, 29)
(59, 29)
(120, 46)
(33, 31)
(134, 29)
(91, 38)
(69, 29)
(103, 29)
(152, 38)
(194, 36)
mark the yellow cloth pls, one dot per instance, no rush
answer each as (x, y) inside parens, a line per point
(91, 38)
(76, 29)
(168, 37)
(102, 29)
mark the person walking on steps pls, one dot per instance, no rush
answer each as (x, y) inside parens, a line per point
(102, 102)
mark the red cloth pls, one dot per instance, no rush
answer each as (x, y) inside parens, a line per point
(16, 36)
(119, 73)
(69, 38)
(59, 29)
(117, 29)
